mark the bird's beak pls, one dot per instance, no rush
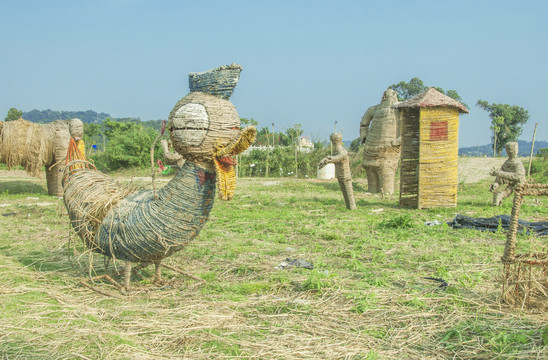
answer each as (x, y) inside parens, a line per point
(225, 162)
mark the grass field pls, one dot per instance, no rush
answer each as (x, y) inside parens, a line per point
(366, 298)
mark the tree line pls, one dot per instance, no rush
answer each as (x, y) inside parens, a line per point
(125, 142)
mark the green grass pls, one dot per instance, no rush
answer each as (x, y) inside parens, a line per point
(366, 298)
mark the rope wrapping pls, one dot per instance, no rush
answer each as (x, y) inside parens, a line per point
(525, 275)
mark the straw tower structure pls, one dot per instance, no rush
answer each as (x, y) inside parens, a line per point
(429, 155)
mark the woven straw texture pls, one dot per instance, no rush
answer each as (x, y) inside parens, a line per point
(147, 226)
(380, 134)
(429, 157)
(116, 221)
(35, 146)
(525, 275)
(218, 82)
(24, 143)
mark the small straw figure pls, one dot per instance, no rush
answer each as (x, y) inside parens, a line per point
(511, 174)
(76, 130)
(342, 169)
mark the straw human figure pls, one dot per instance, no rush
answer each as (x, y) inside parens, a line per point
(511, 174)
(144, 227)
(342, 169)
(380, 134)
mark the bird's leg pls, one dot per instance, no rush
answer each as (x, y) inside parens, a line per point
(127, 275)
(158, 273)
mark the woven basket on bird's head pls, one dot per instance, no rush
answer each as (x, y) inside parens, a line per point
(525, 278)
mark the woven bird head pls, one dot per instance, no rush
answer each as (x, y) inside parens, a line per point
(205, 126)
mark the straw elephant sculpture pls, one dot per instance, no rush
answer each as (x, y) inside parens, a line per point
(145, 227)
(34, 146)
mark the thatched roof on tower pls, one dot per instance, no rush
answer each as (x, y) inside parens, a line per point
(432, 98)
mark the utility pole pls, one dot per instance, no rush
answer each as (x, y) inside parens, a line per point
(267, 152)
(532, 149)
(297, 128)
(330, 143)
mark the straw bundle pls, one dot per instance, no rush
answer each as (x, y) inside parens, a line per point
(525, 275)
(23, 143)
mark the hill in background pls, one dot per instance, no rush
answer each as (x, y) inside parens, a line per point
(88, 117)
(487, 150)
(46, 116)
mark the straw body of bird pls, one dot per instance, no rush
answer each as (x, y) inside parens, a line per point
(134, 226)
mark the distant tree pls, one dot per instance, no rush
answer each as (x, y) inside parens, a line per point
(415, 86)
(355, 145)
(248, 122)
(13, 114)
(293, 134)
(128, 145)
(92, 134)
(406, 90)
(507, 122)
(155, 124)
(263, 137)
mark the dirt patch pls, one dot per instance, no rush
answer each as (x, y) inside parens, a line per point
(474, 169)
(16, 174)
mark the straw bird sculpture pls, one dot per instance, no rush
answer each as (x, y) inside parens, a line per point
(145, 227)
(35, 146)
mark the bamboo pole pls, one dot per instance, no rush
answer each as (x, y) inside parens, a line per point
(266, 172)
(532, 149)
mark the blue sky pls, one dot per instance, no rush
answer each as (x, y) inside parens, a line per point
(304, 62)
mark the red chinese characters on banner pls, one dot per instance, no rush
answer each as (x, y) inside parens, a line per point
(438, 130)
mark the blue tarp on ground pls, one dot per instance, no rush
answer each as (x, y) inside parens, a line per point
(492, 224)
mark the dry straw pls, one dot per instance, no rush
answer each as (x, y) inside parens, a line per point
(22, 143)
(525, 281)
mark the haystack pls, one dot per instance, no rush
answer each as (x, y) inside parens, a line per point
(22, 143)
